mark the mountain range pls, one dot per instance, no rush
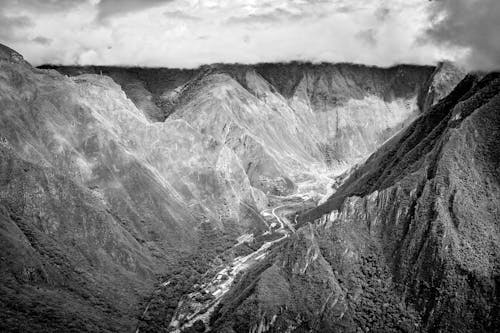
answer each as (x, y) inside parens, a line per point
(280, 197)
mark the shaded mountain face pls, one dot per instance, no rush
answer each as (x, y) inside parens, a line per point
(112, 179)
(409, 242)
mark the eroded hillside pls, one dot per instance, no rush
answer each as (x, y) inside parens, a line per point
(338, 113)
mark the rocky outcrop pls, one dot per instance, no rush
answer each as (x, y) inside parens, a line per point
(409, 242)
(446, 76)
(8, 54)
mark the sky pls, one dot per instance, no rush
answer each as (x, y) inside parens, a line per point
(189, 33)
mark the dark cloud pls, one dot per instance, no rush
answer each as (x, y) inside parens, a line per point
(316, 2)
(108, 8)
(10, 26)
(177, 14)
(254, 18)
(43, 5)
(382, 13)
(276, 16)
(346, 9)
(42, 40)
(473, 24)
(368, 36)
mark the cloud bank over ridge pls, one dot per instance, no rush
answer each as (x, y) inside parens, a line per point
(188, 33)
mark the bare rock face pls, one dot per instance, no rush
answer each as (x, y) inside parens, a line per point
(409, 242)
(446, 76)
(334, 101)
(286, 122)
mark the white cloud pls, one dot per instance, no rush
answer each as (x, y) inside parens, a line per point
(187, 33)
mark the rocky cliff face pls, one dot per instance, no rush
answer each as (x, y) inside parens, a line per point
(409, 242)
(110, 181)
(326, 113)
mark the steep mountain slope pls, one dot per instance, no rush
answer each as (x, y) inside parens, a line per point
(67, 261)
(116, 190)
(338, 113)
(409, 242)
(114, 199)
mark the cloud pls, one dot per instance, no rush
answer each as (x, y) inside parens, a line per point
(178, 14)
(470, 24)
(254, 18)
(10, 26)
(368, 36)
(275, 16)
(188, 33)
(43, 5)
(109, 8)
(346, 9)
(42, 40)
(382, 13)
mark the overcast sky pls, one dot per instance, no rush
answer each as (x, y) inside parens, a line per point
(187, 33)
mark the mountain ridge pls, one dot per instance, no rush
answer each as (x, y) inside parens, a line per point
(237, 71)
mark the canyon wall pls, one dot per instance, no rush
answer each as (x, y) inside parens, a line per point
(409, 242)
(110, 175)
(303, 114)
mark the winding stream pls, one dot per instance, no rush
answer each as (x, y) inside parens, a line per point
(190, 309)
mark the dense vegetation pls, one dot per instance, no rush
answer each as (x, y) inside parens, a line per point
(183, 278)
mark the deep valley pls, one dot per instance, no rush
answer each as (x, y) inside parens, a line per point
(276, 197)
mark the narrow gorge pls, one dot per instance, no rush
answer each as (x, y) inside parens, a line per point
(276, 197)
